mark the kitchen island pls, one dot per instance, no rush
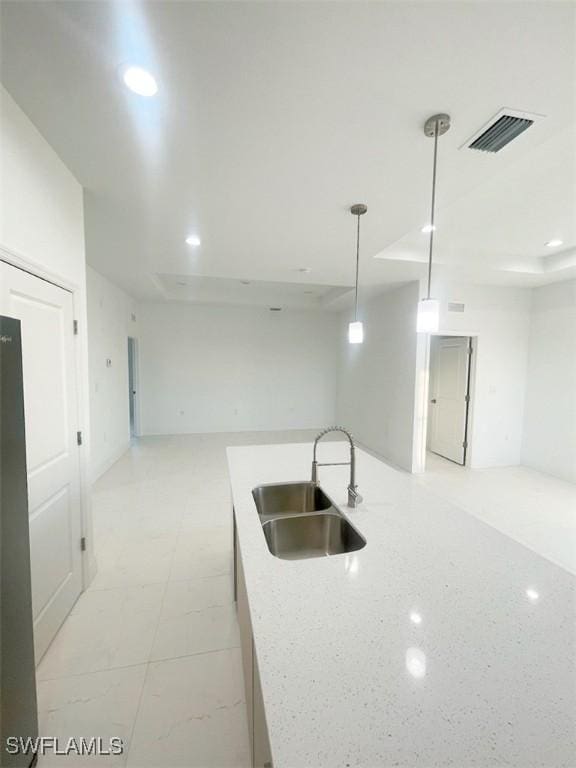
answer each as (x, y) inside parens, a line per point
(442, 642)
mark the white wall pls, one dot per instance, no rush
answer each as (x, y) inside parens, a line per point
(42, 230)
(377, 379)
(499, 318)
(207, 368)
(549, 443)
(42, 215)
(110, 323)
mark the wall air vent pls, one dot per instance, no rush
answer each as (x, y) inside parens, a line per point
(455, 306)
(503, 128)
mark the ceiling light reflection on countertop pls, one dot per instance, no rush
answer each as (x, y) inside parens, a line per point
(532, 595)
(193, 240)
(555, 243)
(351, 564)
(416, 663)
(140, 81)
(415, 618)
(427, 228)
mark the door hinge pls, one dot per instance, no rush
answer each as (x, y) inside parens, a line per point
(83, 544)
(469, 350)
(75, 327)
(79, 438)
(467, 398)
(465, 444)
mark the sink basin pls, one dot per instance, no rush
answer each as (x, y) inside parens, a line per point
(320, 535)
(289, 499)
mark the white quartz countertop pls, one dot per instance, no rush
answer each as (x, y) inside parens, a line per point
(441, 643)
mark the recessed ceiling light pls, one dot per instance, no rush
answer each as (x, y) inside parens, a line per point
(427, 228)
(554, 243)
(140, 81)
(415, 618)
(193, 240)
(532, 595)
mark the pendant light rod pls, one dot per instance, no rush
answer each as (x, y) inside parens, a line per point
(359, 209)
(432, 209)
(435, 126)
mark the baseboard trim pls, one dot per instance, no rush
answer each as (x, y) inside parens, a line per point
(109, 462)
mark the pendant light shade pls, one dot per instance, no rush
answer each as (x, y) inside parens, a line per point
(356, 328)
(428, 316)
(428, 320)
(356, 332)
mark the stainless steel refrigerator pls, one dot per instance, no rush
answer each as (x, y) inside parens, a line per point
(18, 710)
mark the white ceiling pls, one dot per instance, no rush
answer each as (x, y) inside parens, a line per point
(222, 290)
(273, 118)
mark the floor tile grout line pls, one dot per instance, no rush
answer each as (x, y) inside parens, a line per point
(155, 635)
(144, 584)
(137, 713)
(193, 655)
(141, 585)
(99, 671)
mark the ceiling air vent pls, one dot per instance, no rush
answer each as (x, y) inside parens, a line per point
(503, 128)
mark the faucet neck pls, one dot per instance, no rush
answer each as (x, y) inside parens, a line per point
(314, 471)
(352, 484)
(333, 429)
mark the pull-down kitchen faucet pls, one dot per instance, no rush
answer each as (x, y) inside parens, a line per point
(354, 497)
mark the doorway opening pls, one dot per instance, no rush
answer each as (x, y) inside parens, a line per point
(449, 398)
(133, 386)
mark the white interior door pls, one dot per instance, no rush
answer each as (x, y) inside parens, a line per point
(50, 408)
(449, 363)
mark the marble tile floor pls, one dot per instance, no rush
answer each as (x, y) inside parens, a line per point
(150, 652)
(534, 508)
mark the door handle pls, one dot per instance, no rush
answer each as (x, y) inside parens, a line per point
(433, 400)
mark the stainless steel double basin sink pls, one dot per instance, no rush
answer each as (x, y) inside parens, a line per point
(299, 521)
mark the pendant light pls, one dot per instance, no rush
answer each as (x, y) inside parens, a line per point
(429, 309)
(356, 328)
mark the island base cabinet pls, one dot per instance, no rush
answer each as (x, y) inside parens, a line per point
(258, 733)
(261, 757)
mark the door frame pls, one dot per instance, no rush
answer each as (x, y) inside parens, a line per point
(468, 398)
(422, 400)
(80, 363)
(136, 381)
